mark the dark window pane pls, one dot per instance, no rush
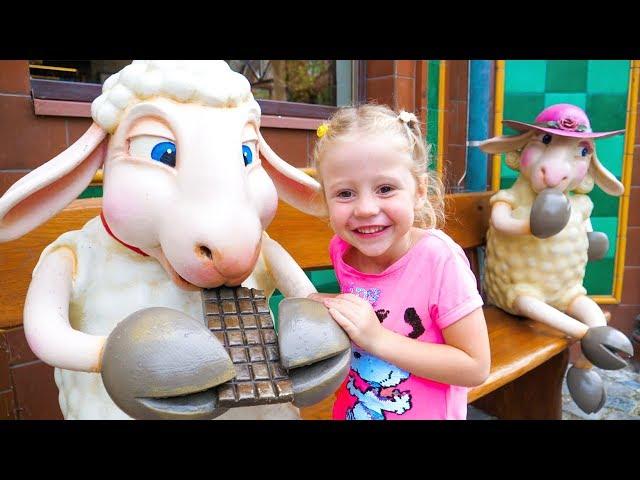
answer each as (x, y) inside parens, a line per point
(316, 82)
(299, 81)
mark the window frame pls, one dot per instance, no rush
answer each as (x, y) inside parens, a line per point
(75, 93)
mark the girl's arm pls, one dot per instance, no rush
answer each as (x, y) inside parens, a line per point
(463, 360)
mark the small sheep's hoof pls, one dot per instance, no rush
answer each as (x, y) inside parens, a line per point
(606, 347)
(313, 348)
(586, 389)
(550, 213)
(159, 363)
(598, 245)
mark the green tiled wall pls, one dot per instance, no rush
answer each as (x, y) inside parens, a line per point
(600, 88)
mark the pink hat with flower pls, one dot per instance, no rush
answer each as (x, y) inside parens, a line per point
(562, 119)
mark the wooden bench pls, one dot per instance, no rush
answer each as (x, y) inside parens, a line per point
(528, 358)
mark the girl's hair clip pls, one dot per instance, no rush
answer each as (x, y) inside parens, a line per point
(407, 117)
(322, 130)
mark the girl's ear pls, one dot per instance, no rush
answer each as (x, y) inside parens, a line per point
(422, 185)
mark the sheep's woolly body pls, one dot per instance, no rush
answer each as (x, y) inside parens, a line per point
(550, 269)
(206, 82)
(111, 281)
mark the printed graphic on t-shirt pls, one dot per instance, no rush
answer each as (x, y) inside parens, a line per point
(375, 384)
(413, 319)
(369, 294)
(374, 394)
(382, 314)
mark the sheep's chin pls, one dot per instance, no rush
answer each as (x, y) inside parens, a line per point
(179, 281)
(183, 283)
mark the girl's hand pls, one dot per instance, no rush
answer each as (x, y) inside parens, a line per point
(356, 316)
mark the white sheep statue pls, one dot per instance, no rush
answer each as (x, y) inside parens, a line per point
(188, 194)
(540, 239)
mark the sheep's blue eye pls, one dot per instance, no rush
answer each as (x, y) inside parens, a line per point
(584, 152)
(165, 152)
(546, 139)
(247, 155)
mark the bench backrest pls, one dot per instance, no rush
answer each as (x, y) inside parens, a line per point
(306, 238)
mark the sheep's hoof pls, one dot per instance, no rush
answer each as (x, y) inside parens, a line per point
(315, 382)
(586, 389)
(606, 347)
(313, 348)
(550, 213)
(159, 363)
(598, 245)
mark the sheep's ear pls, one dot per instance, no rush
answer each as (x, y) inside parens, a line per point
(604, 178)
(42, 193)
(294, 187)
(505, 143)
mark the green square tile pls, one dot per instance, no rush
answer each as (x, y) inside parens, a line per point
(604, 205)
(525, 76)
(506, 182)
(92, 191)
(607, 111)
(566, 76)
(608, 76)
(577, 99)
(598, 279)
(324, 280)
(609, 226)
(523, 108)
(610, 153)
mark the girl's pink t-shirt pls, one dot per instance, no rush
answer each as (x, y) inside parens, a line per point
(425, 291)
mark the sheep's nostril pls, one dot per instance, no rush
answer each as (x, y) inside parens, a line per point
(204, 251)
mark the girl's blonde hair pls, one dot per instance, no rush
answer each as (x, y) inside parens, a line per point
(381, 120)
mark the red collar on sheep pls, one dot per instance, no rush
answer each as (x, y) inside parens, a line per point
(130, 247)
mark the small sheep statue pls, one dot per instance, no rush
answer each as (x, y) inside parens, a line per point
(540, 239)
(187, 199)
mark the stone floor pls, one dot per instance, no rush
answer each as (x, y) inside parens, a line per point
(623, 398)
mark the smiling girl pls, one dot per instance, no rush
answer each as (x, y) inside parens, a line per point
(409, 300)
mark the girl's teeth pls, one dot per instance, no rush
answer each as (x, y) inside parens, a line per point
(369, 229)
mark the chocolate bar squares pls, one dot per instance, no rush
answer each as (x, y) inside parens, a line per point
(239, 317)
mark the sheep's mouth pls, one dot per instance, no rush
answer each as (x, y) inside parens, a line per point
(195, 405)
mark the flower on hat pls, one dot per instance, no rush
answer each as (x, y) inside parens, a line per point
(569, 124)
